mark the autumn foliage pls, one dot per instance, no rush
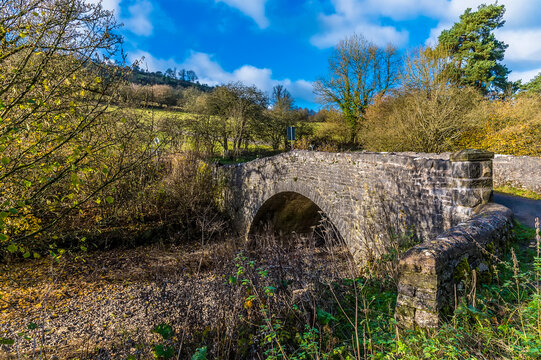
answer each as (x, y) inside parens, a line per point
(64, 140)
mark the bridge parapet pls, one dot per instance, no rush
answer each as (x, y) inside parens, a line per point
(434, 274)
(472, 180)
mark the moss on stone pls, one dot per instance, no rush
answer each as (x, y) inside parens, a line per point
(490, 248)
(462, 270)
(484, 277)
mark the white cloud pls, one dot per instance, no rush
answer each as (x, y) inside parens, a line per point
(523, 44)
(210, 72)
(361, 17)
(139, 19)
(525, 76)
(397, 9)
(251, 8)
(380, 35)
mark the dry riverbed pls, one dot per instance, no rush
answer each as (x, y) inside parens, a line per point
(104, 304)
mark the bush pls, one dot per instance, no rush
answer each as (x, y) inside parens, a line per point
(511, 126)
(415, 120)
(63, 145)
(332, 128)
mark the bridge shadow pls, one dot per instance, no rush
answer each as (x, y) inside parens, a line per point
(290, 217)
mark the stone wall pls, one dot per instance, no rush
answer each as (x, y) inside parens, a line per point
(523, 172)
(369, 197)
(435, 273)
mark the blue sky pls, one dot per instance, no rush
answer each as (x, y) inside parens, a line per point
(288, 42)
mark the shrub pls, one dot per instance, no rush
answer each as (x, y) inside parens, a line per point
(428, 114)
(419, 121)
(511, 126)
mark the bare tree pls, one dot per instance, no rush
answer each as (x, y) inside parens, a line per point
(429, 113)
(358, 72)
(280, 116)
(237, 107)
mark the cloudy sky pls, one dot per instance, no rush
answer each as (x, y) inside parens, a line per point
(269, 42)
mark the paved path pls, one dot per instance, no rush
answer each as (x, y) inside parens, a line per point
(525, 210)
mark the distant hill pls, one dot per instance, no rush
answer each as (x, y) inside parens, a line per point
(171, 77)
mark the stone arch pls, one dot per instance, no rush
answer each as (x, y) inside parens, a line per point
(291, 211)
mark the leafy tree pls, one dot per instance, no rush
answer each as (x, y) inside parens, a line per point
(191, 76)
(474, 49)
(182, 74)
(534, 86)
(358, 72)
(62, 145)
(171, 73)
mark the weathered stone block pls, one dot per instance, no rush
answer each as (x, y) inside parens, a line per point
(467, 197)
(466, 169)
(476, 183)
(471, 155)
(426, 319)
(454, 251)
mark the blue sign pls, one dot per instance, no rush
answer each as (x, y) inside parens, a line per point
(291, 133)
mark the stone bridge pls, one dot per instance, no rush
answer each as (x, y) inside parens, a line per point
(373, 199)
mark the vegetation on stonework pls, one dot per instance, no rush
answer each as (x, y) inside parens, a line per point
(518, 192)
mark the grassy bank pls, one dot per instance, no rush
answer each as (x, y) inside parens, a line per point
(518, 192)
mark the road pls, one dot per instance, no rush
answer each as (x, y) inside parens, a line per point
(525, 210)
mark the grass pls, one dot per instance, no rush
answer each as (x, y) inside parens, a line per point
(161, 113)
(526, 193)
(253, 152)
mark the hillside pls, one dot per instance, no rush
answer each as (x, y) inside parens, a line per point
(170, 77)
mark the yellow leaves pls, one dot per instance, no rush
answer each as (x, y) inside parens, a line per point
(248, 303)
(507, 127)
